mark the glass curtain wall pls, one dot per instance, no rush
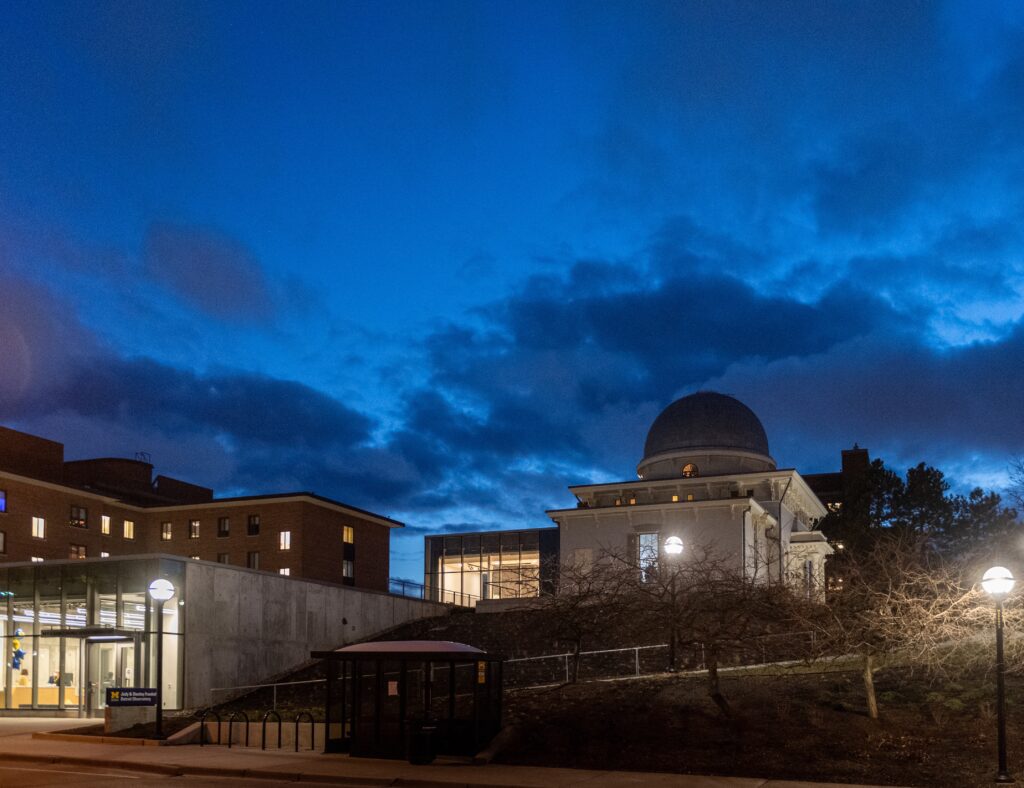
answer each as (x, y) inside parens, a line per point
(47, 665)
(463, 568)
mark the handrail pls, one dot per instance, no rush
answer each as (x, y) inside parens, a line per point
(202, 725)
(231, 721)
(263, 737)
(312, 730)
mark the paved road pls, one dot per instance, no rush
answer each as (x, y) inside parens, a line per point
(30, 776)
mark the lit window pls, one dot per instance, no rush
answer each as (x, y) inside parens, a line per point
(193, 529)
(129, 529)
(38, 527)
(77, 551)
(284, 570)
(689, 496)
(165, 532)
(252, 560)
(223, 527)
(105, 524)
(104, 554)
(675, 499)
(349, 534)
(79, 517)
(3, 541)
(3, 500)
(253, 526)
(618, 502)
(222, 558)
(647, 554)
(348, 569)
(36, 559)
(632, 501)
(284, 541)
(690, 470)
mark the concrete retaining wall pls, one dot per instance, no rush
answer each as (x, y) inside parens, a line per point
(243, 626)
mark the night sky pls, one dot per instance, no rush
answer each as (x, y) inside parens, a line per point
(440, 260)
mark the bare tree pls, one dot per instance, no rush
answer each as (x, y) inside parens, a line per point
(1016, 489)
(588, 605)
(904, 603)
(704, 601)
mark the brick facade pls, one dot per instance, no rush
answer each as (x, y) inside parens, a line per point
(314, 525)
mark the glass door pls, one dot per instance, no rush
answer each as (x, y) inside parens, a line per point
(107, 664)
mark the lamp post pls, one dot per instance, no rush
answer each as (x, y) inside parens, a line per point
(998, 582)
(673, 548)
(160, 590)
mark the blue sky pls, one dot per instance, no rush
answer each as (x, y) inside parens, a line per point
(441, 260)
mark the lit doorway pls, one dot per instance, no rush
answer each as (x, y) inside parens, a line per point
(110, 661)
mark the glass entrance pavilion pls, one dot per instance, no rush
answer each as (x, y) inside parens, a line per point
(70, 629)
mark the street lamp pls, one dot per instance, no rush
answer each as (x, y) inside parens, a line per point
(998, 582)
(673, 547)
(160, 590)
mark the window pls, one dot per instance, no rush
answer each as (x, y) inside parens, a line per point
(104, 554)
(632, 501)
(77, 551)
(165, 532)
(809, 578)
(129, 529)
(690, 470)
(223, 527)
(284, 540)
(348, 569)
(105, 524)
(647, 554)
(252, 560)
(36, 559)
(689, 496)
(3, 500)
(38, 528)
(3, 541)
(284, 570)
(79, 517)
(675, 499)
(193, 529)
(253, 526)
(348, 534)
(618, 502)
(222, 558)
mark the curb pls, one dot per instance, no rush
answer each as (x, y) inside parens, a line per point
(84, 739)
(176, 770)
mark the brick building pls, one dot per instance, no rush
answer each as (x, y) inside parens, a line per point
(52, 509)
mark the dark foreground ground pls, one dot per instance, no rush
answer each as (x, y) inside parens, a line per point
(807, 727)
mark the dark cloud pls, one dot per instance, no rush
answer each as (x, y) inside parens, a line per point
(210, 270)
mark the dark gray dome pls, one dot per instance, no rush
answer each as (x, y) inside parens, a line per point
(706, 420)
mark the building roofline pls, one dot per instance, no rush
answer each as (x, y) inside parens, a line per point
(310, 497)
(708, 503)
(495, 531)
(681, 479)
(303, 495)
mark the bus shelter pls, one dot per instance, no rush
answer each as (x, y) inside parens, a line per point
(411, 698)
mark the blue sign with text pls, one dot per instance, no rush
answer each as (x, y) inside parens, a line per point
(131, 696)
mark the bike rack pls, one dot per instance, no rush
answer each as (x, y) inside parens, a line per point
(231, 721)
(202, 725)
(312, 729)
(280, 725)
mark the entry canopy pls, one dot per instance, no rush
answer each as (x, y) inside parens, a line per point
(425, 649)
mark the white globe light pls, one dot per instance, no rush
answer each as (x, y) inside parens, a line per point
(997, 581)
(673, 545)
(161, 590)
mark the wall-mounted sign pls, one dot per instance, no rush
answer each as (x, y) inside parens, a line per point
(131, 696)
(392, 688)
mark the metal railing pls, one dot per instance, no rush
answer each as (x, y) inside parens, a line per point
(419, 591)
(522, 672)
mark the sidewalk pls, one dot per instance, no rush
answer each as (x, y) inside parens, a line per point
(314, 767)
